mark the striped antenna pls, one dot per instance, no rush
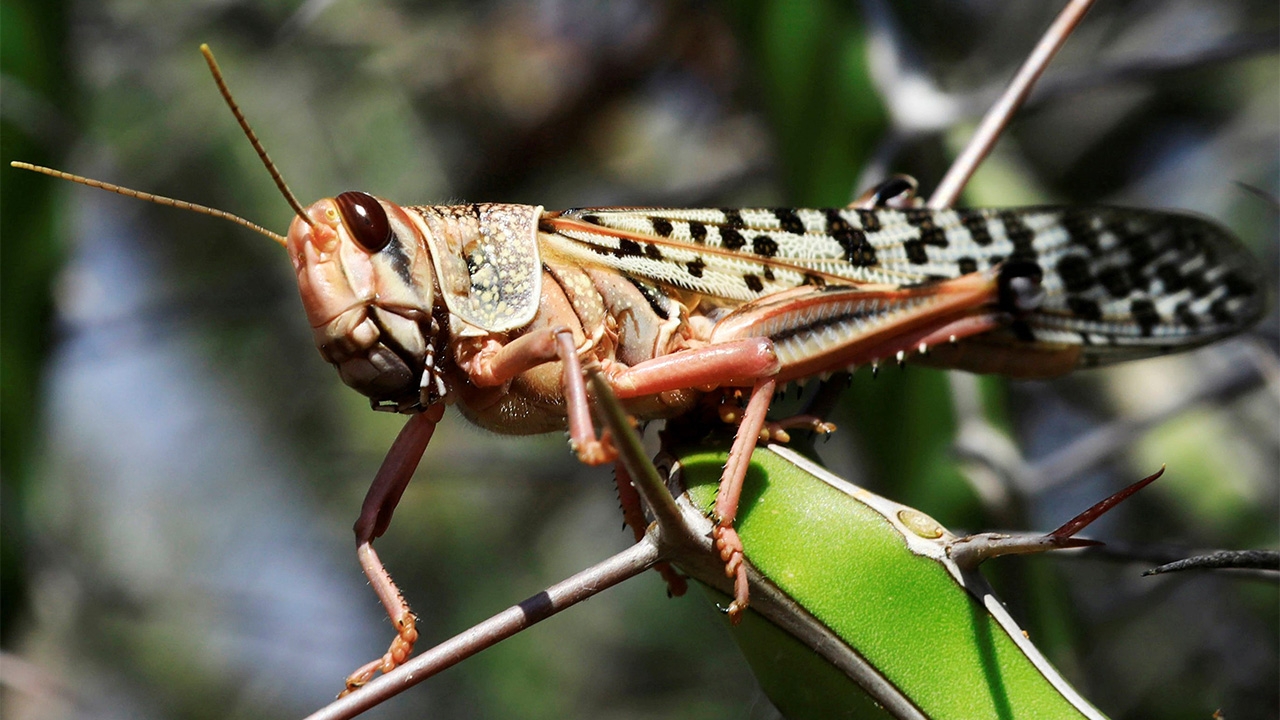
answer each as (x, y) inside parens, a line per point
(158, 199)
(253, 137)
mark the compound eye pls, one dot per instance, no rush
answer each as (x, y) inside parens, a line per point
(366, 220)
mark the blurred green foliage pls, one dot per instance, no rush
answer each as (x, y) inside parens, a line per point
(35, 128)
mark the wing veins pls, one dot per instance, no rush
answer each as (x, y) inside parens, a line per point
(792, 265)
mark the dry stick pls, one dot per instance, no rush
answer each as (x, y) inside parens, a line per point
(966, 163)
(1265, 560)
(626, 564)
(997, 118)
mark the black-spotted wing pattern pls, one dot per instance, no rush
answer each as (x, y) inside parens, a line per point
(1123, 283)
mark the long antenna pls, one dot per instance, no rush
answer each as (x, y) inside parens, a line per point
(253, 137)
(158, 199)
(183, 204)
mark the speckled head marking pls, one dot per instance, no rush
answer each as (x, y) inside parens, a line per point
(487, 261)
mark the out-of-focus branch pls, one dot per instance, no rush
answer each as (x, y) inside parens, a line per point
(1267, 560)
(997, 458)
(1237, 564)
(1143, 68)
(997, 118)
(1114, 437)
(918, 106)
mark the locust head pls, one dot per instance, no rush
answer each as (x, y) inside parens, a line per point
(365, 274)
(369, 271)
(366, 283)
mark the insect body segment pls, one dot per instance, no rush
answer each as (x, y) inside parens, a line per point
(487, 261)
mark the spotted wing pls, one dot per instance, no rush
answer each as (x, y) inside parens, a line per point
(1122, 283)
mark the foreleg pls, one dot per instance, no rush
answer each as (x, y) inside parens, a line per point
(494, 364)
(375, 515)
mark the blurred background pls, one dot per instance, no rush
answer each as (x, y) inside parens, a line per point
(181, 471)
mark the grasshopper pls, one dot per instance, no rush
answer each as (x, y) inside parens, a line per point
(493, 308)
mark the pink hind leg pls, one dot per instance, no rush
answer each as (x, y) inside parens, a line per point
(752, 360)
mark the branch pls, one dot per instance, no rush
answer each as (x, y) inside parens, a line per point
(1268, 560)
(1112, 438)
(562, 595)
(997, 118)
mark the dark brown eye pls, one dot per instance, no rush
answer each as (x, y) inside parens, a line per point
(366, 220)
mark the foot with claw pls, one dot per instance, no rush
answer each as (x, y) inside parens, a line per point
(595, 452)
(729, 546)
(401, 648)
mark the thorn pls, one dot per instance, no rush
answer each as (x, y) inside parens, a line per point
(875, 370)
(968, 552)
(924, 349)
(902, 358)
(1081, 521)
(952, 339)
